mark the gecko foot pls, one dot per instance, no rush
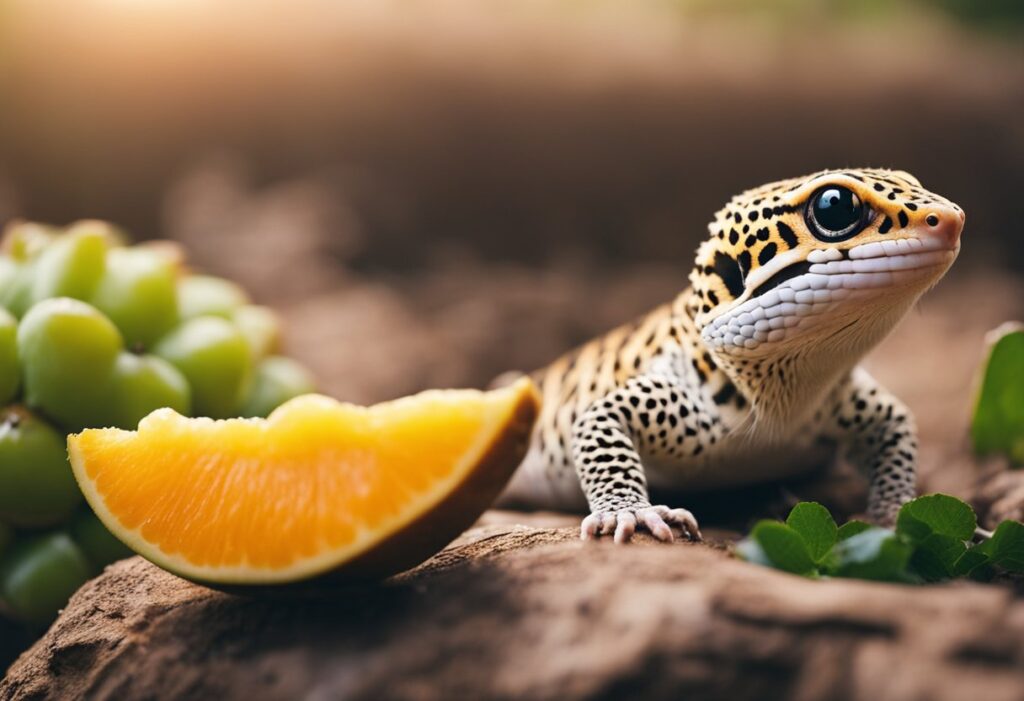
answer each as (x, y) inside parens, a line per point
(656, 519)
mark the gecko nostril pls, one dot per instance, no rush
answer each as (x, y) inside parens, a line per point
(932, 219)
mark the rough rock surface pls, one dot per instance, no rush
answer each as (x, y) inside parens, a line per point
(515, 611)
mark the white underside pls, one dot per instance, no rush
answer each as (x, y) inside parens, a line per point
(772, 317)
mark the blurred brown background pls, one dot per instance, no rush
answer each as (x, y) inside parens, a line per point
(434, 192)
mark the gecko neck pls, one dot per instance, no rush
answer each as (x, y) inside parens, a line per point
(787, 383)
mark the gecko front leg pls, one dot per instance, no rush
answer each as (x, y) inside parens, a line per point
(609, 468)
(881, 438)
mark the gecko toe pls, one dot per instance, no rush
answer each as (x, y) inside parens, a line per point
(590, 527)
(626, 527)
(656, 524)
(685, 520)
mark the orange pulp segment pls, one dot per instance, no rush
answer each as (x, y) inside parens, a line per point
(314, 488)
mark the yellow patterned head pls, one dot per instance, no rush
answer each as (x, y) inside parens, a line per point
(839, 255)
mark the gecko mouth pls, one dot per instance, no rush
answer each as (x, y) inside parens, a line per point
(803, 290)
(870, 265)
(787, 273)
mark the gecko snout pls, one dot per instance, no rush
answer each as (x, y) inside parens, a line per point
(945, 224)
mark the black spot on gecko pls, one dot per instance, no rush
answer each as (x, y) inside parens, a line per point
(904, 219)
(725, 394)
(709, 361)
(767, 253)
(729, 270)
(886, 226)
(787, 234)
(745, 262)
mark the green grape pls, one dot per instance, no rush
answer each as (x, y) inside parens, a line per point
(24, 241)
(277, 380)
(10, 274)
(144, 383)
(100, 546)
(6, 538)
(72, 265)
(215, 358)
(165, 249)
(68, 351)
(114, 235)
(10, 371)
(137, 292)
(16, 285)
(261, 328)
(205, 295)
(37, 487)
(39, 575)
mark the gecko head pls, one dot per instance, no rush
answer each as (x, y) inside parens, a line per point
(831, 261)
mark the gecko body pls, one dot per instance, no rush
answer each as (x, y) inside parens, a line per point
(751, 373)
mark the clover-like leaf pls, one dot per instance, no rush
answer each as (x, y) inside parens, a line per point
(1006, 546)
(973, 563)
(998, 421)
(784, 547)
(936, 513)
(815, 525)
(936, 556)
(873, 554)
(852, 528)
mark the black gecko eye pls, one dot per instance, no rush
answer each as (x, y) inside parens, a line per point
(835, 213)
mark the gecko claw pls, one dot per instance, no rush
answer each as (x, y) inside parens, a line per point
(682, 518)
(657, 520)
(591, 527)
(627, 526)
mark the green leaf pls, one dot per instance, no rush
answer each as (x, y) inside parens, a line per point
(815, 525)
(1006, 546)
(784, 547)
(998, 422)
(936, 556)
(972, 561)
(852, 528)
(936, 513)
(873, 554)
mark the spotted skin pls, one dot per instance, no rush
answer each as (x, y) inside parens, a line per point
(750, 374)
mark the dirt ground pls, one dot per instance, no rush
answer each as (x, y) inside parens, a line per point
(514, 611)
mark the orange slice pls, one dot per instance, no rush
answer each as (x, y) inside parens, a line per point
(317, 487)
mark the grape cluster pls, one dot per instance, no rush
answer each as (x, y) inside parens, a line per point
(96, 333)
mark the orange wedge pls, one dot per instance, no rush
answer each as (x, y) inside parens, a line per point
(317, 487)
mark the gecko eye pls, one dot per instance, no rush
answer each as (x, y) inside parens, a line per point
(835, 213)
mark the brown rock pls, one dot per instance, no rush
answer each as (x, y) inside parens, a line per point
(513, 612)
